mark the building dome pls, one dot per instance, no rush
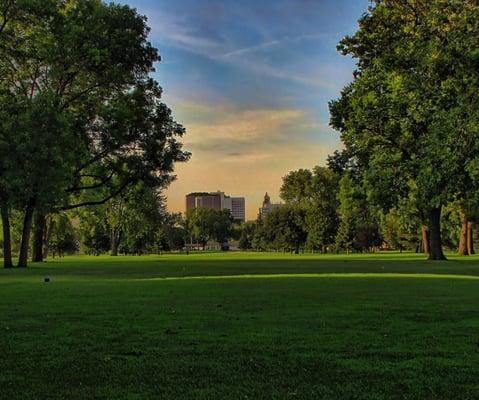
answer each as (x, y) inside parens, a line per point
(267, 199)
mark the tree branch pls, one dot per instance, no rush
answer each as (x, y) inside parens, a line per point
(95, 186)
(96, 202)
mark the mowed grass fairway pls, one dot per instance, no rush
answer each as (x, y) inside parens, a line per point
(241, 326)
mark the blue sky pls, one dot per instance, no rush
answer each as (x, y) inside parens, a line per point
(251, 81)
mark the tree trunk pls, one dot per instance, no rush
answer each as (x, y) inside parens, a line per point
(7, 241)
(435, 243)
(114, 248)
(38, 237)
(48, 235)
(424, 239)
(463, 242)
(470, 239)
(24, 244)
(115, 241)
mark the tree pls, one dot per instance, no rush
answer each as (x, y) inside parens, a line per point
(133, 218)
(315, 191)
(222, 226)
(20, 24)
(173, 233)
(358, 220)
(198, 222)
(320, 232)
(297, 186)
(322, 219)
(247, 232)
(347, 215)
(139, 222)
(284, 228)
(205, 224)
(63, 237)
(401, 228)
(93, 229)
(132, 222)
(409, 119)
(467, 215)
(87, 112)
(259, 240)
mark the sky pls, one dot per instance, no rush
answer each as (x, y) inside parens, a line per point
(250, 80)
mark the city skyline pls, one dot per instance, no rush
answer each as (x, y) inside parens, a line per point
(195, 199)
(251, 84)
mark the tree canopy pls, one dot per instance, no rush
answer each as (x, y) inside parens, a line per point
(409, 120)
(80, 110)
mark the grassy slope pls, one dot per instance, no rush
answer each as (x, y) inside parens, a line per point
(109, 328)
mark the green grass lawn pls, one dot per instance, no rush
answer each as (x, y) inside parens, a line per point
(241, 326)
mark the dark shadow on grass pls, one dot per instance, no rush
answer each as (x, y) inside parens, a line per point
(241, 264)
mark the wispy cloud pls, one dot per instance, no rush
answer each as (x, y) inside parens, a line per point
(176, 32)
(250, 49)
(276, 42)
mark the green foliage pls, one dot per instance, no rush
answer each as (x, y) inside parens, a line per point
(80, 116)
(93, 229)
(297, 186)
(172, 234)
(451, 225)
(137, 217)
(247, 232)
(409, 120)
(315, 191)
(135, 222)
(284, 228)
(15, 231)
(358, 223)
(401, 226)
(348, 213)
(63, 238)
(205, 224)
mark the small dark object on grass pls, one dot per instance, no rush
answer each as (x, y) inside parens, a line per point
(47, 280)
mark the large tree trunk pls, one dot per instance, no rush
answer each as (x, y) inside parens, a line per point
(48, 235)
(470, 239)
(27, 227)
(7, 241)
(435, 243)
(462, 251)
(424, 239)
(38, 237)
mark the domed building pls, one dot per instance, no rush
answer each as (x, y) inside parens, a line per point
(267, 206)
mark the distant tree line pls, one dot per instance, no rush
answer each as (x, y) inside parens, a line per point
(326, 212)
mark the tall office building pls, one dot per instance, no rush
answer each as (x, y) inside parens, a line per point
(203, 199)
(218, 201)
(238, 208)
